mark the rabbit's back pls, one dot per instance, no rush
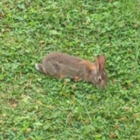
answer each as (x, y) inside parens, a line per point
(58, 64)
(63, 59)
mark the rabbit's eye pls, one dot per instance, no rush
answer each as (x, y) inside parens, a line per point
(100, 79)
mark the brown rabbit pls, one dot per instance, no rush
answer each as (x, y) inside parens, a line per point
(63, 65)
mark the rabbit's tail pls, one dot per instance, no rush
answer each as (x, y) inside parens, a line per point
(39, 67)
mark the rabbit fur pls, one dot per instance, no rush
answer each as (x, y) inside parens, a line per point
(63, 65)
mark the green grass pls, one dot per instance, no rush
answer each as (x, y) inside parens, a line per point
(35, 107)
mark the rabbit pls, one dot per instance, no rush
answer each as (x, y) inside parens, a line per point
(63, 65)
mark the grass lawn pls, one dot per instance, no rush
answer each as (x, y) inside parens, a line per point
(37, 107)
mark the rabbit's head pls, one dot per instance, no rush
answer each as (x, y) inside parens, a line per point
(98, 75)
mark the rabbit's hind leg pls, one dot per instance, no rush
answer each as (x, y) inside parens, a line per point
(53, 69)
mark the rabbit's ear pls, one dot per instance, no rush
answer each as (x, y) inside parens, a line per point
(101, 60)
(97, 63)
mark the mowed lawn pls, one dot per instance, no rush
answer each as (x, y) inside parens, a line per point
(39, 107)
